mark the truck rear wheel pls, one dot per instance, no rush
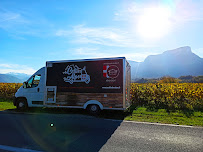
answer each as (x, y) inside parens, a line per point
(93, 109)
(21, 104)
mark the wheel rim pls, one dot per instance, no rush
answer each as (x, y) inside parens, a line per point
(21, 105)
(93, 108)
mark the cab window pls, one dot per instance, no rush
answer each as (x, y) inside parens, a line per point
(34, 81)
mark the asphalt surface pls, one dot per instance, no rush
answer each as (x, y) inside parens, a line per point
(78, 133)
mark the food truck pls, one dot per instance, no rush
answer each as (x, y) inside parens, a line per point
(92, 84)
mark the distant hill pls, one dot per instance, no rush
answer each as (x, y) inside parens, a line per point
(13, 77)
(182, 79)
(178, 62)
(175, 63)
(5, 78)
(21, 76)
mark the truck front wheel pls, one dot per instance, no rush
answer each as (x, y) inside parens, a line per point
(21, 104)
(93, 109)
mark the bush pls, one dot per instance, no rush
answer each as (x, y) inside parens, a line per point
(169, 80)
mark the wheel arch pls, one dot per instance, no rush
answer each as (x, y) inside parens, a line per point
(90, 102)
(23, 98)
(18, 98)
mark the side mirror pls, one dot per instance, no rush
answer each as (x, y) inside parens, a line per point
(24, 84)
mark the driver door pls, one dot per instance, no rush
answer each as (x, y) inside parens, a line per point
(35, 91)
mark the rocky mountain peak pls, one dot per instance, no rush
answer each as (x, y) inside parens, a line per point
(179, 51)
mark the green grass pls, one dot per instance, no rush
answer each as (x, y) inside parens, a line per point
(191, 118)
(6, 104)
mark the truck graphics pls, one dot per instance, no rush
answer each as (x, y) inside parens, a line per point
(110, 71)
(76, 74)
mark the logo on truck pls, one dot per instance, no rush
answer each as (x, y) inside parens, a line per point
(76, 74)
(110, 71)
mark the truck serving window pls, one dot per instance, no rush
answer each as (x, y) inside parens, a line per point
(34, 81)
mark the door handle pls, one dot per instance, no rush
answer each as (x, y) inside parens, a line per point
(37, 89)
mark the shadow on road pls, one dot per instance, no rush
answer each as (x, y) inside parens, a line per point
(108, 114)
(73, 131)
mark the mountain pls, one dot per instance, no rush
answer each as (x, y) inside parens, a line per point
(5, 78)
(178, 62)
(21, 76)
(175, 63)
(13, 77)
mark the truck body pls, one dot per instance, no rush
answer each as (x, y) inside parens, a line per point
(94, 83)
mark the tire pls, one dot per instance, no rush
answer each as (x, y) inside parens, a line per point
(21, 104)
(93, 109)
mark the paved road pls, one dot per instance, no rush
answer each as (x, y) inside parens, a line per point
(33, 132)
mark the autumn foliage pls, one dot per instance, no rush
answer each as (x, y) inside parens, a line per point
(8, 90)
(168, 95)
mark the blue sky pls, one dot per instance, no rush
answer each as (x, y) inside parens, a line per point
(33, 32)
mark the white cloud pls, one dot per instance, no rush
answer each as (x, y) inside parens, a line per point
(182, 11)
(86, 52)
(188, 10)
(156, 19)
(106, 36)
(16, 68)
(139, 57)
(62, 33)
(9, 20)
(22, 23)
(9, 17)
(5, 66)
